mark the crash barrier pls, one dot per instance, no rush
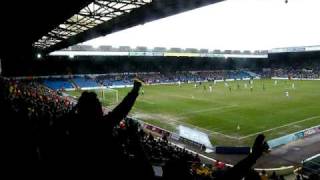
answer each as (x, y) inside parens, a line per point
(293, 137)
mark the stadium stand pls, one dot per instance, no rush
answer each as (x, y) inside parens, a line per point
(311, 167)
(293, 73)
(58, 83)
(85, 82)
(45, 132)
(42, 131)
(53, 129)
(184, 76)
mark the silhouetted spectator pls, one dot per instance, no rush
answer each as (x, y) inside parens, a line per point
(264, 175)
(298, 177)
(242, 168)
(94, 148)
(281, 177)
(252, 175)
(165, 137)
(219, 165)
(274, 176)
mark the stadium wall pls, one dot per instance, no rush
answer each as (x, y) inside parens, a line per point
(106, 87)
(274, 143)
(285, 78)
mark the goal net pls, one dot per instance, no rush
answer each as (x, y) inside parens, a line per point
(108, 96)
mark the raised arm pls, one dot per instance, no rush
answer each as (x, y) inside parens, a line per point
(241, 169)
(122, 110)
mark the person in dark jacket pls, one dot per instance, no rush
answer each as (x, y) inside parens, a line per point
(244, 167)
(94, 149)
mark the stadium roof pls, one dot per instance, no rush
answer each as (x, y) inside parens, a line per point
(95, 13)
(87, 50)
(228, 25)
(24, 22)
(101, 17)
(30, 26)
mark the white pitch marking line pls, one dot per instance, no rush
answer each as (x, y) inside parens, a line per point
(224, 107)
(296, 122)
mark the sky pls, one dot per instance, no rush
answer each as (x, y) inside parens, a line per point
(228, 25)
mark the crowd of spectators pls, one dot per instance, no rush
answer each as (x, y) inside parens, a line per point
(292, 73)
(184, 76)
(79, 140)
(124, 79)
(45, 128)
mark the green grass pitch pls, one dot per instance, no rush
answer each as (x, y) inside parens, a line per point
(229, 117)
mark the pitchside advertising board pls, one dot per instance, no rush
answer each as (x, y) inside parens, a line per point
(289, 49)
(311, 131)
(293, 137)
(145, 53)
(295, 49)
(194, 135)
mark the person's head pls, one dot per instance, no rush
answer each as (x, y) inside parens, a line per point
(252, 175)
(89, 105)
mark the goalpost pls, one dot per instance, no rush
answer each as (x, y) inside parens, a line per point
(109, 95)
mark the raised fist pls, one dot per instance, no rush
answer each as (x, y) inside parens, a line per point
(259, 146)
(137, 83)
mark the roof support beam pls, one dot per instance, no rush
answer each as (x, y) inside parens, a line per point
(127, 18)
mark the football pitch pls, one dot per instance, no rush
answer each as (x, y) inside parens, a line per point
(231, 114)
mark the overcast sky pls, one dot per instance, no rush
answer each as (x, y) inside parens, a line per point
(232, 24)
